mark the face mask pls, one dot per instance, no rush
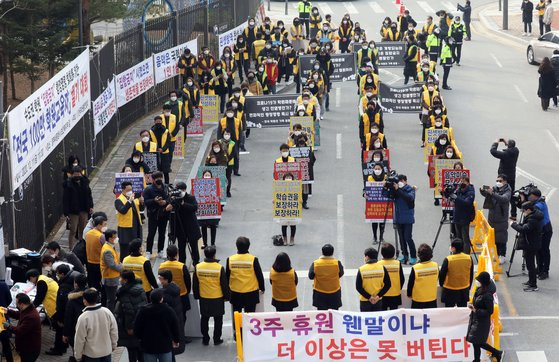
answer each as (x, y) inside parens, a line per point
(377, 145)
(103, 229)
(369, 81)
(374, 130)
(315, 12)
(297, 133)
(145, 139)
(315, 76)
(442, 142)
(376, 159)
(217, 68)
(270, 61)
(385, 22)
(313, 45)
(229, 114)
(236, 94)
(285, 45)
(227, 55)
(207, 176)
(301, 113)
(159, 182)
(478, 284)
(328, 47)
(449, 154)
(284, 154)
(115, 242)
(75, 164)
(499, 184)
(189, 84)
(227, 137)
(345, 22)
(268, 46)
(305, 101)
(288, 179)
(136, 159)
(241, 40)
(311, 86)
(438, 124)
(129, 193)
(377, 172)
(251, 23)
(369, 94)
(438, 111)
(425, 69)
(431, 89)
(183, 194)
(167, 114)
(217, 149)
(234, 104)
(401, 184)
(261, 69)
(206, 52)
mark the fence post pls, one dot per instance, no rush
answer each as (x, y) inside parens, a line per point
(207, 24)
(141, 51)
(176, 41)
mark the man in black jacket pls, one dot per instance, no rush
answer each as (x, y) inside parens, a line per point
(65, 279)
(155, 199)
(186, 226)
(54, 249)
(507, 165)
(171, 296)
(467, 16)
(529, 240)
(77, 203)
(463, 212)
(74, 309)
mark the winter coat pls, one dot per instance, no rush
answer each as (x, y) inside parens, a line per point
(96, 333)
(547, 86)
(530, 231)
(404, 204)
(527, 9)
(65, 286)
(130, 298)
(480, 320)
(74, 309)
(464, 204)
(28, 329)
(76, 196)
(555, 66)
(189, 221)
(548, 14)
(71, 258)
(507, 163)
(156, 327)
(172, 298)
(498, 204)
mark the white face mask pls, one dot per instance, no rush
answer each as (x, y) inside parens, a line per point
(438, 124)
(227, 55)
(207, 176)
(376, 159)
(261, 69)
(377, 144)
(230, 114)
(136, 159)
(311, 86)
(189, 84)
(369, 94)
(145, 139)
(173, 98)
(499, 184)
(288, 179)
(438, 111)
(369, 81)
(305, 101)
(450, 154)
(297, 133)
(268, 46)
(237, 94)
(478, 284)
(374, 130)
(129, 193)
(103, 229)
(234, 104)
(167, 114)
(315, 76)
(377, 172)
(284, 154)
(442, 142)
(183, 193)
(75, 164)
(251, 23)
(401, 184)
(217, 149)
(116, 241)
(301, 113)
(431, 89)
(206, 52)
(425, 69)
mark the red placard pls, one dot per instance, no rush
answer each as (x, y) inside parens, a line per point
(281, 168)
(195, 127)
(377, 207)
(451, 177)
(207, 193)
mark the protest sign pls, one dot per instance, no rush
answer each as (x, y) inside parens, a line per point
(440, 164)
(104, 107)
(269, 110)
(178, 152)
(431, 135)
(136, 178)
(207, 193)
(316, 133)
(281, 168)
(451, 178)
(288, 201)
(369, 163)
(150, 159)
(210, 108)
(378, 208)
(391, 54)
(397, 335)
(195, 127)
(134, 81)
(403, 99)
(38, 124)
(217, 172)
(165, 63)
(303, 156)
(229, 38)
(307, 123)
(431, 170)
(344, 67)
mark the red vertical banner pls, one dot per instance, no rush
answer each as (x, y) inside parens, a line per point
(195, 127)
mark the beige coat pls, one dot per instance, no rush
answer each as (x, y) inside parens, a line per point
(96, 333)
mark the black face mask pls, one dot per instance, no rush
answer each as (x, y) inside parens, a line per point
(159, 182)
(244, 91)
(463, 186)
(76, 178)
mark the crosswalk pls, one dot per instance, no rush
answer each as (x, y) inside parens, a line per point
(376, 7)
(389, 7)
(426, 7)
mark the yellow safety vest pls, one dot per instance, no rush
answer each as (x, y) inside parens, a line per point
(393, 268)
(296, 32)
(223, 125)
(136, 264)
(289, 159)
(163, 139)
(458, 274)
(125, 220)
(49, 303)
(152, 146)
(326, 275)
(428, 28)
(283, 285)
(429, 99)
(372, 278)
(368, 139)
(426, 277)
(93, 246)
(171, 126)
(209, 276)
(175, 267)
(106, 272)
(367, 122)
(242, 278)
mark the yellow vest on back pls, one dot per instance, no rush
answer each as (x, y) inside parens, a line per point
(126, 220)
(209, 275)
(171, 125)
(372, 278)
(175, 267)
(326, 275)
(106, 272)
(458, 275)
(242, 278)
(283, 285)
(136, 264)
(393, 268)
(50, 299)
(140, 147)
(426, 278)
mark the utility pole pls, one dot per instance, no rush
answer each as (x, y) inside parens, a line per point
(80, 21)
(505, 14)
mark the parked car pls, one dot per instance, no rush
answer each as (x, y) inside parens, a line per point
(542, 47)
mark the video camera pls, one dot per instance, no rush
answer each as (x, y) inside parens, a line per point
(520, 196)
(175, 195)
(392, 179)
(449, 191)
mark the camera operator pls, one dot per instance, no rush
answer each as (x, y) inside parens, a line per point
(397, 188)
(543, 256)
(187, 229)
(463, 199)
(155, 198)
(529, 240)
(497, 201)
(507, 165)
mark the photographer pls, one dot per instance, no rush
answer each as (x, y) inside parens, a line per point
(543, 256)
(155, 198)
(529, 240)
(187, 229)
(497, 201)
(507, 164)
(463, 199)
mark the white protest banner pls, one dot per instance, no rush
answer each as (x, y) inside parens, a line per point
(229, 38)
(396, 335)
(104, 107)
(134, 81)
(165, 63)
(38, 124)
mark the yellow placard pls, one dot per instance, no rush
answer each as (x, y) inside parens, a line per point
(210, 108)
(288, 201)
(306, 122)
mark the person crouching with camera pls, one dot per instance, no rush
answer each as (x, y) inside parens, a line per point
(529, 240)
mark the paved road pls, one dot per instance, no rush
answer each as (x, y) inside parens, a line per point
(493, 96)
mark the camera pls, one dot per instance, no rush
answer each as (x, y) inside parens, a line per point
(520, 196)
(449, 191)
(175, 195)
(390, 181)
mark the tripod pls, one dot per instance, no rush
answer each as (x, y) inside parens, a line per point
(509, 275)
(174, 223)
(446, 218)
(394, 226)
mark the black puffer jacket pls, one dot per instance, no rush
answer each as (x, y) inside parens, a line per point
(508, 157)
(130, 298)
(65, 286)
(74, 309)
(76, 197)
(480, 320)
(530, 231)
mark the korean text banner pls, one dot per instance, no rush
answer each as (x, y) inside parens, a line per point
(38, 124)
(210, 108)
(269, 110)
(405, 335)
(344, 67)
(134, 81)
(378, 208)
(217, 172)
(104, 107)
(288, 201)
(165, 63)
(403, 99)
(206, 191)
(391, 54)
(136, 178)
(229, 38)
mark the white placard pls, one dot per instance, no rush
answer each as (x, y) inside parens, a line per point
(229, 38)
(38, 124)
(165, 63)
(104, 107)
(134, 81)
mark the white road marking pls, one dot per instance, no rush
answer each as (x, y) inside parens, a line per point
(448, 5)
(553, 139)
(340, 226)
(531, 177)
(338, 146)
(338, 97)
(531, 356)
(426, 7)
(520, 94)
(376, 7)
(549, 194)
(325, 8)
(530, 318)
(351, 9)
(508, 334)
(496, 60)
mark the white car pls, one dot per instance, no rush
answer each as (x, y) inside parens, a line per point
(542, 47)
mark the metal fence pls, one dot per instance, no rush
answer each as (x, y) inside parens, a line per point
(36, 206)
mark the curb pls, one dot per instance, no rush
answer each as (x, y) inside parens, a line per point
(490, 25)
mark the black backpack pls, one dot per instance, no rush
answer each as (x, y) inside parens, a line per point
(277, 240)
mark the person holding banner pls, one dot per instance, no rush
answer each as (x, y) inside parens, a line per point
(284, 224)
(371, 137)
(326, 272)
(372, 282)
(206, 61)
(187, 65)
(241, 51)
(228, 147)
(422, 285)
(392, 299)
(367, 98)
(463, 212)
(128, 217)
(373, 115)
(206, 224)
(191, 94)
(456, 276)
(136, 163)
(378, 175)
(220, 84)
(284, 284)
(232, 125)
(160, 135)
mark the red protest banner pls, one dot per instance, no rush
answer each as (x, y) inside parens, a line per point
(281, 168)
(195, 127)
(207, 193)
(451, 177)
(378, 208)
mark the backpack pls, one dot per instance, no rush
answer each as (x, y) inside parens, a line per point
(277, 240)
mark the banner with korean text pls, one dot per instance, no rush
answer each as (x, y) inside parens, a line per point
(288, 201)
(210, 108)
(206, 191)
(104, 107)
(134, 82)
(165, 63)
(229, 38)
(38, 124)
(398, 335)
(378, 208)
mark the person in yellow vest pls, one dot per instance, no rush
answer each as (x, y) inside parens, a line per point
(94, 240)
(429, 26)
(110, 268)
(257, 46)
(422, 285)
(392, 34)
(245, 278)
(315, 22)
(128, 218)
(187, 65)
(241, 54)
(161, 136)
(456, 276)
(392, 299)
(427, 96)
(372, 282)
(372, 115)
(228, 146)
(540, 7)
(371, 136)
(385, 27)
(296, 33)
(326, 272)
(141, 266)
(190, 94)
(210, 287)
(206, 61)
(145, 144)
(47, 290)
(173, 125)
(181, 275)
(304, 8)
(284, 284)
